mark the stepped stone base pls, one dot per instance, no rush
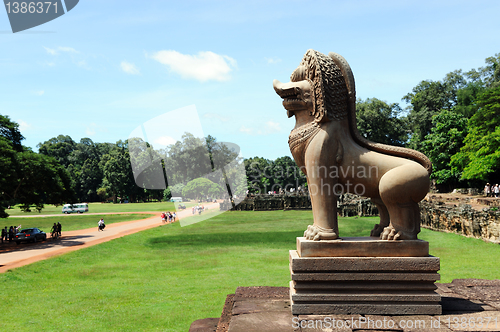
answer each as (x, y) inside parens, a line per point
(362, 247)
(364, 285)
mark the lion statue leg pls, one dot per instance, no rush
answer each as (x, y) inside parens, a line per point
(321, 189)
(384, 217)
(401, 189)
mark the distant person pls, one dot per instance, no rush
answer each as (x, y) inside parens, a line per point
(59, 227)
(496, 190)
(11, 233)
(53, 230)
(4, 233)
(163, 217)
(101, 225)
(487, 190)
(174, 216)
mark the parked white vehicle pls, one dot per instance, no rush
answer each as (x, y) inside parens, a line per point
(74, 208)
(176, 199)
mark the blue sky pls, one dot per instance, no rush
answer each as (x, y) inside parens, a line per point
(107, 67)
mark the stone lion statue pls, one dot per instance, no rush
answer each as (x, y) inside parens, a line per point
(335, 158)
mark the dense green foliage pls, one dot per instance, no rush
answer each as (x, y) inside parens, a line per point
(480, 156)
(380, 122)
(28, 178)
(164, 278)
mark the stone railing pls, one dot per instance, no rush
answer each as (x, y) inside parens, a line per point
(270, 202)
(350, 205)
(461, 219)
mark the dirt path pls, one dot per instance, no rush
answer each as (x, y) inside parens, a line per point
(16, 256)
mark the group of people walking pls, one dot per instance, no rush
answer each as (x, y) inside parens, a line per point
(198, 208)
(168, 217)
(10, 234)
(491, 191)
(56, 230)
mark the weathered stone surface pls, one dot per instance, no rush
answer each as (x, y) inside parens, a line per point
(365, 277)
(261, 309)
(477, 321)
(296, 201)
(393, 286)
(262, 322)
(204, 325)
(252, 305)
(477, 313)
(362, 247)
(376, 309)
(461, 220)
(363, 264)
(350, 205)
(226, 315)
(364, 297)
(417, 323)
(260, 291)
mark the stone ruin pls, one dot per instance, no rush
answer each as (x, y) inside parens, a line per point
(269, 203)
(457, 215)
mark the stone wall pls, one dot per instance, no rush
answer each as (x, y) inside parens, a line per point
(270, 202)
(461, 219)
(350, 205)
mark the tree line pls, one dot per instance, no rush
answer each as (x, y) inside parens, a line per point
(454, 121)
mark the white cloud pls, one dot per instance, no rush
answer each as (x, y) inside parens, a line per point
(204, 66)
(249, 131)
(50, 50)
(39, 92)
(67, 49)
(129, 68)
(273, 126)
(23, 126)
(53, 51)
(165, 140)
(270, 127)
(273, 60)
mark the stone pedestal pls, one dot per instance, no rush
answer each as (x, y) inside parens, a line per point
(363, 276)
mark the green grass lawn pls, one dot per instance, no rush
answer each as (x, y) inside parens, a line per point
(103, 207)
(162, 279)
(71, 222)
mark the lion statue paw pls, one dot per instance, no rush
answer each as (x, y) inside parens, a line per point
(317, 233)
(390, 233)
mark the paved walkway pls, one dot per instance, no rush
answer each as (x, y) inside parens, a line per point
(24, 254)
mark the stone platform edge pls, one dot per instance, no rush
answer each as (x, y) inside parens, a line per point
(463, 299)
(362, 247)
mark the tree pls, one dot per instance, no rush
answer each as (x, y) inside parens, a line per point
(28, 178)
(59, 147)
(259, 175)
(42, 180)
(380, 122)
(202, 187)
(479, 158)
(10, 131)
(446, 138)
(117, 171)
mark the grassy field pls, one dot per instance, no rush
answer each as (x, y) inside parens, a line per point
(164, 278)
(103, 208)
(71, 222)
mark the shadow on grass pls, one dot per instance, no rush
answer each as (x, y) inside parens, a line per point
(274, 239)
(65, 241)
